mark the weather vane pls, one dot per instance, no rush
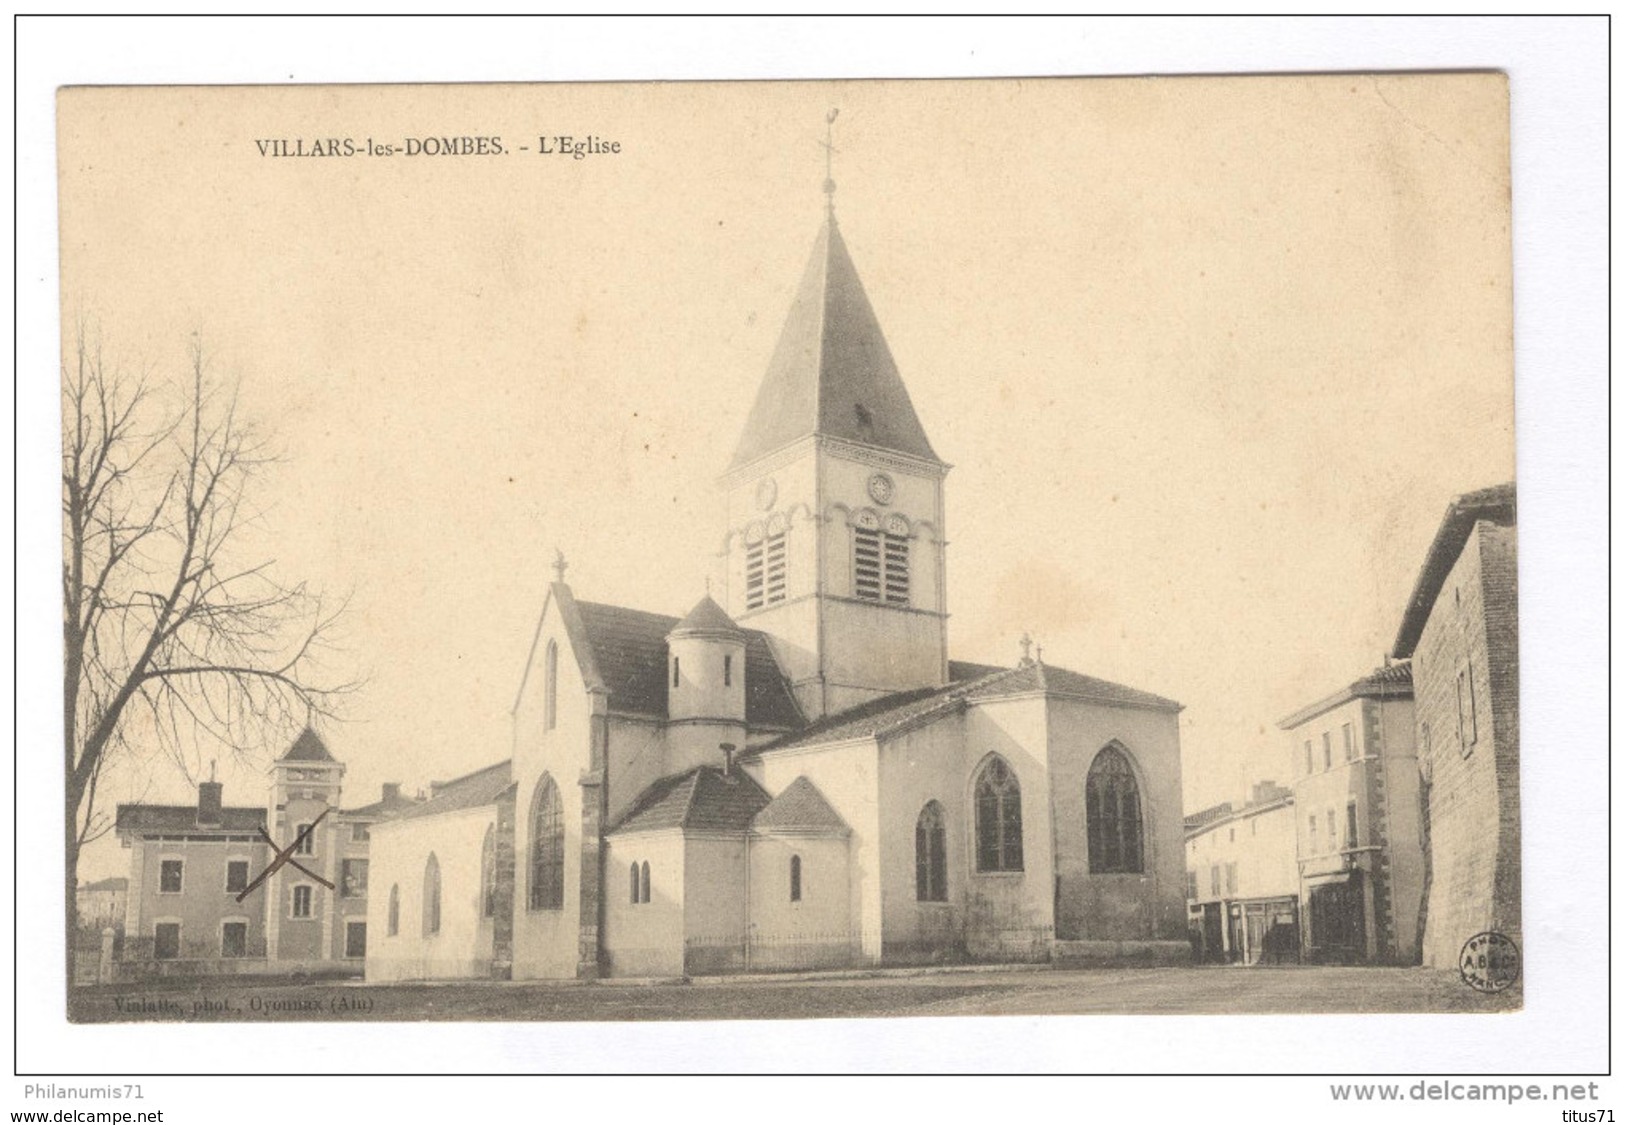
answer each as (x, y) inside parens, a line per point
(829, 157)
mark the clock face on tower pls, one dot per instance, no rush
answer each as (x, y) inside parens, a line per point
(880, 488)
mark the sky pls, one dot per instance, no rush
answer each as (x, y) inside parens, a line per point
(1208, 357)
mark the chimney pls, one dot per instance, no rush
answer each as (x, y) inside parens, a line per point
(208, 802)
(392, 791)
(728, 749)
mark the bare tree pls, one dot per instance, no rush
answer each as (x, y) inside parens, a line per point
(173, 642)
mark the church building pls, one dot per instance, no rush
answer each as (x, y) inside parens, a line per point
(793, 773)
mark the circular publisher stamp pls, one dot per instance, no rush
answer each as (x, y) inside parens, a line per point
(1490, 962)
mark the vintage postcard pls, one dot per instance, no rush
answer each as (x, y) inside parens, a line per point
(712, 551)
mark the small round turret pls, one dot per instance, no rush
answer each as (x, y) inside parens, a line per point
(706, 666)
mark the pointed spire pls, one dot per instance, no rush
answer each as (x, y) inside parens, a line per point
(832, 372)
(308, 747)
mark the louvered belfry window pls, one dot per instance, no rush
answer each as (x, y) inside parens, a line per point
(880, 560)
(766, 570)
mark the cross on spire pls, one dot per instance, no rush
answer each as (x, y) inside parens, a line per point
(829, 158)
(559, 565)
(1026, 648)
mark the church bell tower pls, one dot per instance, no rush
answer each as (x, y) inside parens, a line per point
(835, 541)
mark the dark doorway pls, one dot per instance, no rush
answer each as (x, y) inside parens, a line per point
(1337, 922)
(1212, 931)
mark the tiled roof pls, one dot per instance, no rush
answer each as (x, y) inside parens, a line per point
(629, 646)
(1062, 681)
(961, 670)
(703, 798)
(831, 372)
(308, 747)
(385, 808)
(183, 818)
(868, 719)
(1498, 504)
(113, 884)
(471, 791)
(801, 807)
(1208, 815)
(708, 617)
(1391, 676)
(904, 708)
(1393, 681)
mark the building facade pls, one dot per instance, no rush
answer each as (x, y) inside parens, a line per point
(1460, 631)
(102, 904)
(1242, 880)
(193, 904)
(797, 775)
(1359, 821)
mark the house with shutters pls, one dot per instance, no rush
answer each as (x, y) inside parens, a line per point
(198, 900)
(794, 773)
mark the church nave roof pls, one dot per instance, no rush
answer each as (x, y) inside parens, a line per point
(629, 648)
(891, 714)
(482, 787)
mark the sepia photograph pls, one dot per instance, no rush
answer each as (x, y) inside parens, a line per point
(614, 554)
(537, 549)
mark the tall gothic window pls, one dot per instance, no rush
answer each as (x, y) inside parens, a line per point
(394, 910)
(643, 881)
(550, 697)
(880, 559)
(1112, 805)
(931, 855)
(431, 896)
(546, 847)
(795, 878)
(998, 818)
(488, 874)
(636, 896)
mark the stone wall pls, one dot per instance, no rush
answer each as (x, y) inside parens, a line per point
(1466, 675)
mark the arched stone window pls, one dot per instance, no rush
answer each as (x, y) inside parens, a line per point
(998, 818)
(488, 874)
(550, 687)
(394, 926)
(431, 896)
(643, 882)
(931, 855)
(637, 895)
(546, 847)
(795, 878)
(1112, 805)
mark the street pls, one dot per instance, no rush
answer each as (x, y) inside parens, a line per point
(977, 991)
